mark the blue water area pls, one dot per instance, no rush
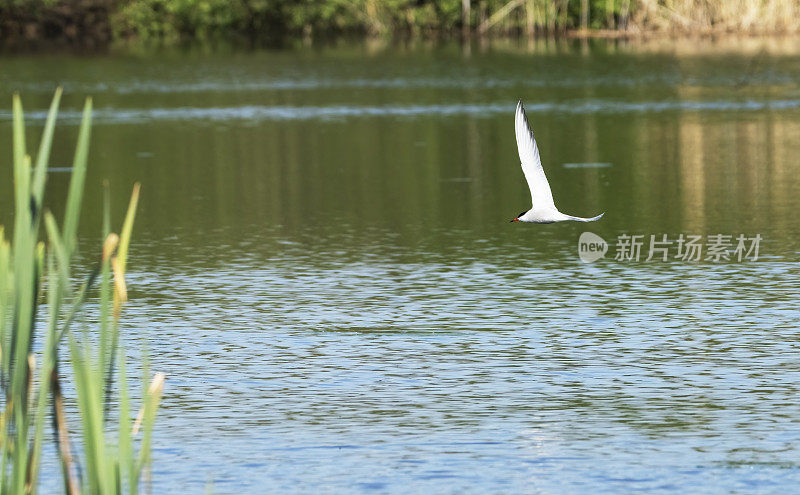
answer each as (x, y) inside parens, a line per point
(324, 268)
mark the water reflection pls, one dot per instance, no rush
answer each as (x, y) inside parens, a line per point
(324, 268)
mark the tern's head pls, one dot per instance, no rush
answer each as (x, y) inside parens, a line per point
(517, 218)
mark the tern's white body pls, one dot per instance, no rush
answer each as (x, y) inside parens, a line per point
(543, 209)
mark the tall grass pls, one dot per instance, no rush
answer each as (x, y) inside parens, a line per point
(706, 16)
(173, 20)
(33, 272)
(176, 21)
(638, 16)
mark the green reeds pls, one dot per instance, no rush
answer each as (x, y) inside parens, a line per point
(718, 16)
(33, 272)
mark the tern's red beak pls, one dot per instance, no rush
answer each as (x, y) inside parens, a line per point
(515, 220)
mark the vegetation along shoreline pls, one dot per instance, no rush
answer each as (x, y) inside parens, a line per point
(102, 23)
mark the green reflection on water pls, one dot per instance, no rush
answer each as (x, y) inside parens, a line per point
(437, 178)
(344, 258)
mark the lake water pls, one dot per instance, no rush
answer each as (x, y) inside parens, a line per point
(323, 263)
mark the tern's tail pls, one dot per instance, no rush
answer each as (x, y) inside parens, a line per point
(581, 219)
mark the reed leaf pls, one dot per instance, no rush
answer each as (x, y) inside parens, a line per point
(59, 250)
(24, 262)
(55, 294)
(43, 156)
(152, 401)
(78, 178)
(109, 246)
(6, 302)
(25, 252)
(61, 434)
(127, 227)
(126, 466)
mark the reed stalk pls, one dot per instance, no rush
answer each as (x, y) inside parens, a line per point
(112, 459)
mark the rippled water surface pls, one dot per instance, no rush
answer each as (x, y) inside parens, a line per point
(324, 267)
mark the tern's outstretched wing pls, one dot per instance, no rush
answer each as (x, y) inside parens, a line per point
(531, 164)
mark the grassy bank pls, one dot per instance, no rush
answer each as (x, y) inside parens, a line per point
(100, 22)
